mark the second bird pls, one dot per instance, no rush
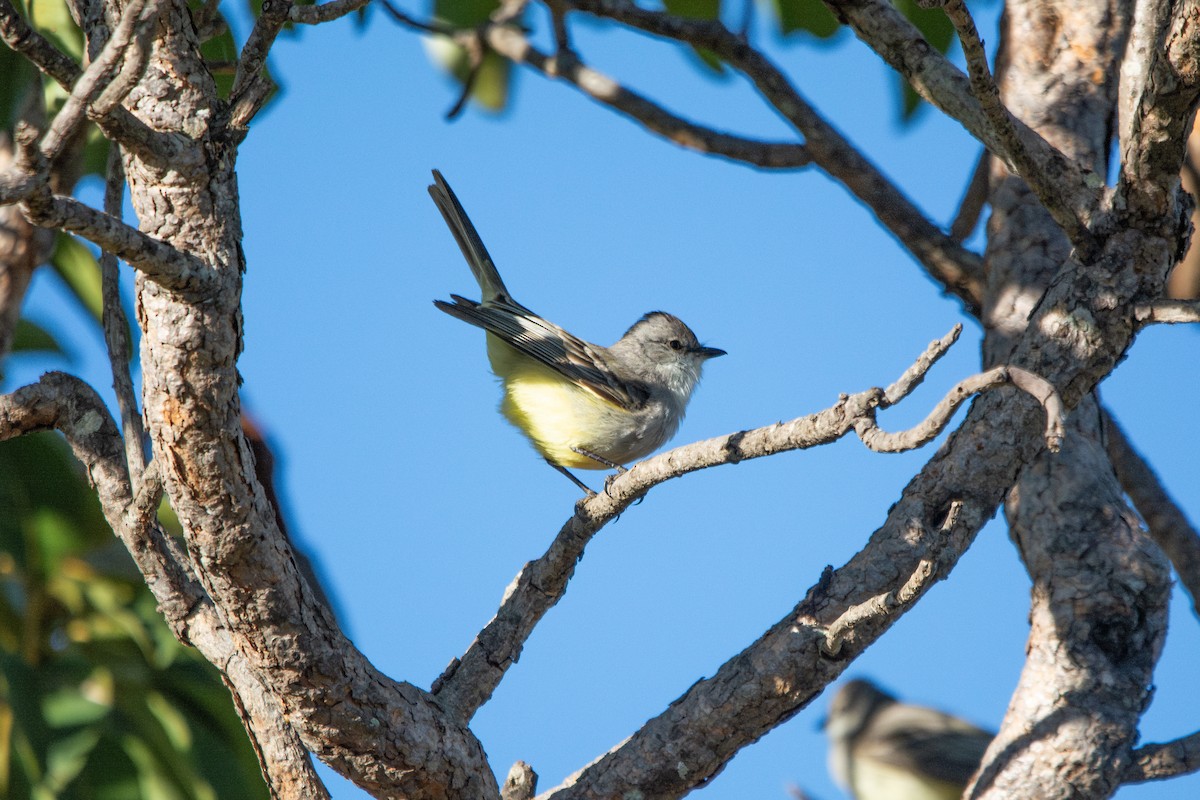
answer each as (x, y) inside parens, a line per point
(581, 405)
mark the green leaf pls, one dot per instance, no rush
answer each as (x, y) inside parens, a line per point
(29, 337)
(490, 88)
(220, 53)
(464, 13)
(933, 23)
(937, 29)
(79, 269)
(66, 758)
(17, 76)
(52, 19)
(68, 708)
(694, 9)
(805, 16)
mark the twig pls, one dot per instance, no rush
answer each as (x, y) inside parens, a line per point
(514, 45)
(1165, 520)
(473, 45)
(116, 328)
(325, 12)
(247, 82)
(915, 375)
(1171, 312)
(883, 442)
(511, 43)
(1156, 762)
(470, 681)
(926, 573)
(956, 268)
(974, 199)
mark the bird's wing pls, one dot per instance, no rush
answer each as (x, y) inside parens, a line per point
(926, 742)
(549, 344)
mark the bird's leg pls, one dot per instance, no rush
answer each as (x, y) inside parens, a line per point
(600, 459)
(571, 477)
(611, 465)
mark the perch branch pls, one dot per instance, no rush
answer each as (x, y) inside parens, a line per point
(468, 682)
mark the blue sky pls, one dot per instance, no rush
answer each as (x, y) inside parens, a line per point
(420, 503)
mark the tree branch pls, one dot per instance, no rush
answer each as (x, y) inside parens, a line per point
(1156, 762)
(64, 403)
(1170, 312)
(250, 85)
(468, 682)
(158, 260)
(1158, 99)
(514, 45)
(1012, 148)
(974, 199)
(325, 12)
(1168, 525)
(883, 28)
(116, 329)
(957, 269)
(118, 123)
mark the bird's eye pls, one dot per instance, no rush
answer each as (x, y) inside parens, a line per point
(675, 344)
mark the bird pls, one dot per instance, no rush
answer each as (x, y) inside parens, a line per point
(581, 405)
(882, 749)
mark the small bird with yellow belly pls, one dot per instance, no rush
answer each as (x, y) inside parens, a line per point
(581, 405)
(882, 749)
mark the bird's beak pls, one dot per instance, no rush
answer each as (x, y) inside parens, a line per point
(822, 723)
(709, 352)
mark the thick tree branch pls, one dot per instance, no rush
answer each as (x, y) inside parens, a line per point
(64, 403)
(1012, 148)
(1156, 762)
(946, 261)
(469, 682)
(1167, 523)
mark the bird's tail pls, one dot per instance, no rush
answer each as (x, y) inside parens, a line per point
(468, 240)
